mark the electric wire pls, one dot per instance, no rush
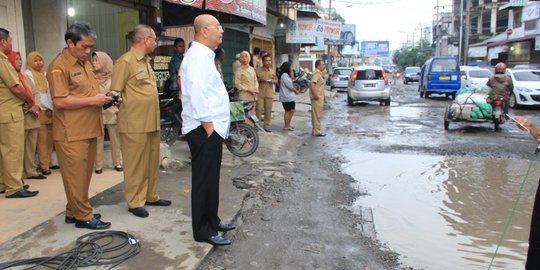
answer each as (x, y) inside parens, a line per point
(96, 248)
(511, 216)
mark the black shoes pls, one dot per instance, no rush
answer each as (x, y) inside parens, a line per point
(93, 224)
(118, 168)
(71, 220)
(226, 227)
(320, 135)
(99, 171)
(267, 130)
(46, 172)
(23, 193)
(160, 202)
(217, 240)
(54, 167)
(139, 211)
(39, 176)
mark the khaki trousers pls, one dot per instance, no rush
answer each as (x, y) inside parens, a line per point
(141, 167)
(115, 147)
(30, 144)
(264, 104)
(45, 145)
(11, 156)
(316, 114)
(76, 160)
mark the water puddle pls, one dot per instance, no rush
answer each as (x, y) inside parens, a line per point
(445, 212)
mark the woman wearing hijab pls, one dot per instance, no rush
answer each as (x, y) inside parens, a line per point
(245, 79)
(103, 66)
(31, 122)
(36, 75)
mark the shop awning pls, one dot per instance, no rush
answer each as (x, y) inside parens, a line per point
(228, 12)
(513, 4)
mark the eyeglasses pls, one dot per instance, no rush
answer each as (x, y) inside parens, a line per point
(218, 27)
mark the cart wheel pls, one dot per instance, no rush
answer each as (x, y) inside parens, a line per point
(446, 117)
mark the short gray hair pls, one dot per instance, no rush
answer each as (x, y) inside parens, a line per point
(76, 31)
(140, 32)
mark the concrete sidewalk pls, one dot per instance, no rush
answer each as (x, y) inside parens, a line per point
(34, 227)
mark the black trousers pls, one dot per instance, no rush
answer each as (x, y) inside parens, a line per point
(533, 255)
(206, 155)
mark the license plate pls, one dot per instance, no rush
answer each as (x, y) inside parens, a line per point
(444, 78)
(369, 85)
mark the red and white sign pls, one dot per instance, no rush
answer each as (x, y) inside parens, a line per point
(191, 3)
(250, 9)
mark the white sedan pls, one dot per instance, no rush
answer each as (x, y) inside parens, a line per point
(526, 87)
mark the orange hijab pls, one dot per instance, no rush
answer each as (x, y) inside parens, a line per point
(11, 58)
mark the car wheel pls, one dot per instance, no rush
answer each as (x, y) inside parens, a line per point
(421, 93)
(350, 101)
(512, 103)
(405, 81)
(387, 102)
(454, 96)
(426, 94)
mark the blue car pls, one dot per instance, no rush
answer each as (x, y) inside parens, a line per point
(440, 75)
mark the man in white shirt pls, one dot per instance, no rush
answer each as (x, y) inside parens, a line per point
(206, 123)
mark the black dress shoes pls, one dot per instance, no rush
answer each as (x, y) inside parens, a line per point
(118, 168)
(217, 240)
(23, 193)
(93, 224)
(39, 176)
(226, 227)
(99, 171)
(160, 202)
(54, 167)
(46, 172)
(71, 220)
(139, 211)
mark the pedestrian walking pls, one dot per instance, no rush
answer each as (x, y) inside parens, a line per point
(316, 95)
(287, 94)
(77, 122)
(103, 65)
(206, 119)
(138, 122)
(267, 79)
(13, 99)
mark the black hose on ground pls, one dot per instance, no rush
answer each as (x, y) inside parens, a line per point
(97, 248)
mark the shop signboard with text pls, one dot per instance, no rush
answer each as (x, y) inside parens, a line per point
(301, 31)
(251, 9)
(191, 3)
(328, 29)
(375, 48)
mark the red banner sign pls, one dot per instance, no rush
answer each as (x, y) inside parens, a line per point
(251, 9)
(191, 3)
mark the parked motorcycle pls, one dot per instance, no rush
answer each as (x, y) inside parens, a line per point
(243, 139)
(301, 81)
(170, 110)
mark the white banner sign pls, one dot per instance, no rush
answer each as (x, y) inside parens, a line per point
(328, 29)
(301, 31)
(531, 12)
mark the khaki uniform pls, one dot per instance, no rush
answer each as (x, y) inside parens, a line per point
(31, 127)
(75, 130)
(110, 121)
(317, 105)
(246, 78)
(138, 125)
(11, 130)
(265, 98)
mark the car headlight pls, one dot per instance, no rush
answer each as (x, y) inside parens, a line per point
(523, 89)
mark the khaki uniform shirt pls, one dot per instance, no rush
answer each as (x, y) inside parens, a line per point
(10, 105)
(67, 76)
(266, 89)
(318, 80)
(134, 77)
(31, 122)
(109, 115)
(246, 78)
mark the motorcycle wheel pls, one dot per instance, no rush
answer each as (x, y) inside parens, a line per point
(243, 140)
(169, 133)
(497, 123)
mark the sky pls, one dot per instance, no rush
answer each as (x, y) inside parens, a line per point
(392, 20)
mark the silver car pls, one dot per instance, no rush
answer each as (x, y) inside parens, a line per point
(340, 78)
(368, 83)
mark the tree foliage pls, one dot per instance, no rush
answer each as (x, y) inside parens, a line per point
(415, 56)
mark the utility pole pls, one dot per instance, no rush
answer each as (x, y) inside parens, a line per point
(329, 45)
(460, 49)
(437, 34)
